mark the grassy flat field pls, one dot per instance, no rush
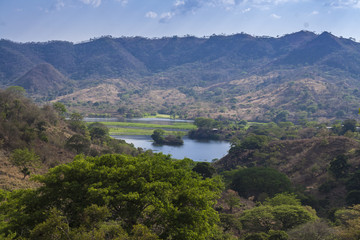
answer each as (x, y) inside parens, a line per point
(159, 116)
(185, 126)
(139, 131)
(128, 128)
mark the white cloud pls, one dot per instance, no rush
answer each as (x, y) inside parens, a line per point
(314, 13)
(265, 4)
(179, 3)
(186, 6)
(94, 3)
(270, 2)
(227, 2)
(59, 4)
(165, 17)
(275, 16)
(123, 2)
(246, 10)
(151, 14)
(345, 3)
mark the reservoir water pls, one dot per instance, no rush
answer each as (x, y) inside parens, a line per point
(194, 149)
(197, 150)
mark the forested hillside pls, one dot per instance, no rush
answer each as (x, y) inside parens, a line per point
(34, 139)
(238, 76)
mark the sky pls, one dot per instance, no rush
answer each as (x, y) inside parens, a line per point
(82, 20)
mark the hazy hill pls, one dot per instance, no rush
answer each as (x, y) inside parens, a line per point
(238, 76)
(42, 78)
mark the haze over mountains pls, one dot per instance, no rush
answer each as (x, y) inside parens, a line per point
(239, 76)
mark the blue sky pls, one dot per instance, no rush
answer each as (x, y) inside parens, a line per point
(80, 20)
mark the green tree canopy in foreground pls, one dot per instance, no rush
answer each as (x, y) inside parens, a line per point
(162, 194)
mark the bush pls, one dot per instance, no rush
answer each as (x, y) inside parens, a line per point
(282, 217)
(258, 180)
(24, 159)
(79, 143)
(312, 231)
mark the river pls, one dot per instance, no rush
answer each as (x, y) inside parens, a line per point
(194, 149)
(197, 150)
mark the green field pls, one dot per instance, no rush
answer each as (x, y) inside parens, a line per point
(185, 126)
(128, 128)
(139, 131)
(159, 116)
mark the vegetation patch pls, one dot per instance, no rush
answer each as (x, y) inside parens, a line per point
(140, 131)
(185, 126)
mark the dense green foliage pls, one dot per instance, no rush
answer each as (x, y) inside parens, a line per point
(282, 217)
(164, 195)
(260, 182)
(204, 169)
(98, 131)
(339, 166)
(159, 138)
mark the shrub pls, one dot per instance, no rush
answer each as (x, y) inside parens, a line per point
(257, 180)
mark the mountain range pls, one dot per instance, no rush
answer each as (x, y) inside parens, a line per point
(300, 75)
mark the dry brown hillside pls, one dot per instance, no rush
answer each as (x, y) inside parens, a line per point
(306, 162)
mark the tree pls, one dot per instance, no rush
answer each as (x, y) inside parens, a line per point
(162, 194)
(204, 122)
(158, 136)
(251, 142)
(204, 169)
(60, 108)
(354, 181)
(76, 117)
(24, 159)
(283, 199)
(313, 231)
(16, 90)
(98, 131)
(55, 227)
(353, 197)
(267, 217)
(254, 141)
(77, 124)
(281, 116)
(348, 125)
(339, 166)
(349, 223)
(232, 199)
(79, 143)
(259, 180)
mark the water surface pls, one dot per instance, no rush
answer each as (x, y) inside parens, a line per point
(194, 149)
(197, 150)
